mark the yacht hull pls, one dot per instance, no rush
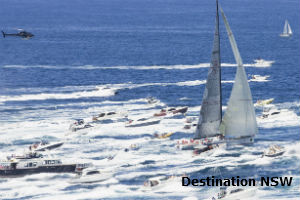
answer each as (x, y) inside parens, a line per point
(43, 169)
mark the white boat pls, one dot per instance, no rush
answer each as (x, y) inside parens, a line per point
(238, 124)
(259, 78)
(158, 182)
(262, 63)
(142, 122)
(287, 31)
(79, 124)
(274, 151)
(269, 112)
(43, 146)
(264, 102)
(91, 176)
(109, 115)
(235, 193)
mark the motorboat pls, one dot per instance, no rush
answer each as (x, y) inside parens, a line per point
(21, 167)
(142, 122)
(264, 102)
(151, 100)
(259, 62)
(268, 112)
(91, 176)
(171, 111)
(234, 193)
(274, 151)
(109, 115)
(163, 136)
(79, 124)
(44, 145)
(157, 182)
(259, 78)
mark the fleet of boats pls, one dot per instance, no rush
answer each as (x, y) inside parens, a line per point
(213, 129)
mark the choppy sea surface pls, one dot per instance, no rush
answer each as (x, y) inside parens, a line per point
(94, 56)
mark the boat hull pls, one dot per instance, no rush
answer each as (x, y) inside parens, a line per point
(44, 169)
(143, 124)
(275, 154)
(239, 141)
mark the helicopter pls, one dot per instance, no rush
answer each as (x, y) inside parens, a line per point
(22, 33)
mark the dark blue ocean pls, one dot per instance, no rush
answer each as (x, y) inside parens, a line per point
(100, 55)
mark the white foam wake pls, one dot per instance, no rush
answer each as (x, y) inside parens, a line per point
(154, 67)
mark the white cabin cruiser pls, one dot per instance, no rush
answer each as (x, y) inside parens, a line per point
(44, 145)
(274, 151)
(79, 124)
(91, 176)
(142, 122)
(234, 193)
(259, 62)
(259, 78)
(110, 115)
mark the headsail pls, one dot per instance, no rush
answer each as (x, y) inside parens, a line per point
(211, 108)
(289, 30)
(239, 120)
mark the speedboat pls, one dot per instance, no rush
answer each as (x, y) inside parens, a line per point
(91, 176)
(43, 146)
(171, 111)
(268, 112)
(142, 122)
(79, 124)
(109, 115)
(274, 151)
(163, 136)
(234, 193)
(264, 102)
(151, 100)
(20, 167)
(259, 78)
(157, 182)
(259, 62)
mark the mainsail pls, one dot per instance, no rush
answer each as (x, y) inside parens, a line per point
(211, 107)
(285, 28)
(239, 120)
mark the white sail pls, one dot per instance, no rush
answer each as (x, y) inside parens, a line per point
(285, 28)
(211, 107)
(239, 120)
(289, 30)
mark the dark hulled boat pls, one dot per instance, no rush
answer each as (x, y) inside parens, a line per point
(16, 167)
